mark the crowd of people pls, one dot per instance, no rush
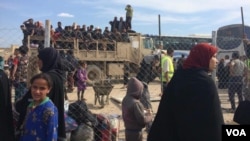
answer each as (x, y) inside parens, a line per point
(196, 108)
(232, 75)
(87, 35)
(50, 81)
(36, 111)
(189, 108)
(40, 95)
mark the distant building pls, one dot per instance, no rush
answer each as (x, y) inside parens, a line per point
(6, 52)
(201, 35)
(181, 42)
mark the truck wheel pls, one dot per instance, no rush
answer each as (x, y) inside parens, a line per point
(93, 73)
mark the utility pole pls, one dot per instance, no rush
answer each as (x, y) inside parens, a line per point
(159, 24)
(159, 44)
(243, 24)
(47, 34)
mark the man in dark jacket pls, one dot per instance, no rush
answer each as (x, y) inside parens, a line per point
(147, 69)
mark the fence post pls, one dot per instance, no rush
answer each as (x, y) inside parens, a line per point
(47, 34)
(214, 43)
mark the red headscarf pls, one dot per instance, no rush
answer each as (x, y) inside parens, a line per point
(200, 56)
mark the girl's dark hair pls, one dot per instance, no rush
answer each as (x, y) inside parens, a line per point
(42, 76)
(82, 62)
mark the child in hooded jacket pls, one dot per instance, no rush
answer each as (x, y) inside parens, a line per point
(133, 112)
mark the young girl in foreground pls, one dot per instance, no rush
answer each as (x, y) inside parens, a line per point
(41, 119)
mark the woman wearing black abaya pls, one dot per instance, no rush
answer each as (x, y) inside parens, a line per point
(49, 62)
(6, 117)
(190, 107)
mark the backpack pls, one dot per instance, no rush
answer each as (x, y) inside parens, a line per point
(75, 76)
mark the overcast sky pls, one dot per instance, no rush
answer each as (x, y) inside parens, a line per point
(178, 17)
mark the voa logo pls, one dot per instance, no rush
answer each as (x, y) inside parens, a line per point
(236, 132)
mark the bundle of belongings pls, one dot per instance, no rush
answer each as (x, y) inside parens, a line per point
(92, 127)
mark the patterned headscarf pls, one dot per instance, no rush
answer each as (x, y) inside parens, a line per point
(200, 56)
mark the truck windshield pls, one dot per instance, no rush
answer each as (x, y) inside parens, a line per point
(148, 43)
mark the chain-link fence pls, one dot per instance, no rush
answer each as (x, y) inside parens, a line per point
(108, 58)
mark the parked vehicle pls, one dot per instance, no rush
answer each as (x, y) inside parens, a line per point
(104, 62)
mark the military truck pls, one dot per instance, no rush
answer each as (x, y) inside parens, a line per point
(103, 62)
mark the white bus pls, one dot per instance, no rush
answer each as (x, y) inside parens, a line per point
(229, 39)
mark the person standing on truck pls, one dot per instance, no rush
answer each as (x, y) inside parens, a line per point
(30, 26)
(148, 64)
(59, 27)
(25, 35)
(121, 25)
(129, 15)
